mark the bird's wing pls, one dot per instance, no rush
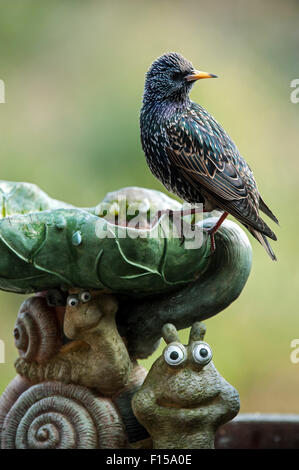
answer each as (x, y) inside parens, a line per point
(202, 151)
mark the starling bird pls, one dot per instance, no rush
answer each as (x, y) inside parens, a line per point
(192, 155)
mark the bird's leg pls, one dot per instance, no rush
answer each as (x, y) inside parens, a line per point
(183, 212)
(178, 223)
(176, 217)
(193, 211)
(213, 230)
(171, 213)
(159, 214)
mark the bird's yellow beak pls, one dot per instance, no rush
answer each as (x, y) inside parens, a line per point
(198, 75)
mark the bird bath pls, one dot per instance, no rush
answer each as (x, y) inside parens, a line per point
(104, 286)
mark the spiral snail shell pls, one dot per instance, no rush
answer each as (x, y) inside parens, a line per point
(8, 398)
(53, 415)
(37, 335)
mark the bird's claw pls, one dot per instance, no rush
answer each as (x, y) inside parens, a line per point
(211, 232)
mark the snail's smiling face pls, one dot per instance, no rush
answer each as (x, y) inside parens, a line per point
(84, 310)
(184, 376)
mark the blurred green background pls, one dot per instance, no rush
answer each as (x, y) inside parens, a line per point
(74, 75)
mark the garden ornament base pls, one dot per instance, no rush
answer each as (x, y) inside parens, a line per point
(106, 285)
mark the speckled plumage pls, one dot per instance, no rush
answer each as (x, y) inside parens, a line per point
(191, 154)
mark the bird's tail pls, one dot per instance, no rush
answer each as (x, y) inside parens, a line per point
(264, 242)
(263, 207)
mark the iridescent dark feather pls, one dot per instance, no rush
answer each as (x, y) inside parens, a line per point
(192, 155)
(208, 158)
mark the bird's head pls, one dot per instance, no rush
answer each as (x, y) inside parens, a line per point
(171, 77)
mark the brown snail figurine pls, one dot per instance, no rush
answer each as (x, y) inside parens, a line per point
(54, 415)
(96, 357)
(37, 334)
(184, 399)
(88, 383)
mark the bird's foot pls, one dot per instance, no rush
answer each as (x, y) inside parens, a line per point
(211, 232)
(183, 229)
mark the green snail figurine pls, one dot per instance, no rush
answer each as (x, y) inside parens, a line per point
(184, 399)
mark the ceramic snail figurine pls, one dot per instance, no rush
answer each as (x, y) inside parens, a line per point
(55, 415)
(96, 357)
(184, 399)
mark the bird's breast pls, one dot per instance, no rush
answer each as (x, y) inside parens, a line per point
(155, 148)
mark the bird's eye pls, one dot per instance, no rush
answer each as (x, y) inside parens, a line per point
(85, 296)
(72, 301)
(175, 354)
(202, 353)
(176, 75)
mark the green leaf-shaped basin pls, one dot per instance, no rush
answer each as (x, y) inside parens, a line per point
(47, 244)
